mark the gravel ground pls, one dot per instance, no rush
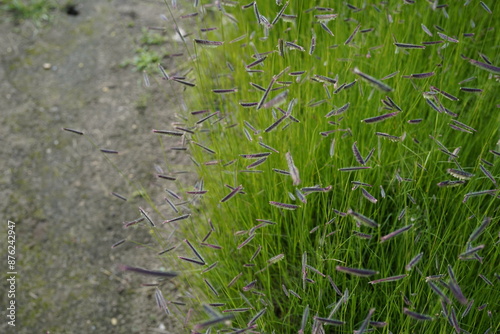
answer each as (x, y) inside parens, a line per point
(56, 185)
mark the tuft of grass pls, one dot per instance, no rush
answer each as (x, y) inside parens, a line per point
(298, 238)
(37, 11)
(145, 59)
(150, 53)
(152, 38)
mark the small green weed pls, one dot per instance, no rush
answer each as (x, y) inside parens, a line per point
(150, 53)
(152, 38)
(37, 11)
(145, 59)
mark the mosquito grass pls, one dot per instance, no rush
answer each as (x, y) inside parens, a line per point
(282, 265)
(37, 11)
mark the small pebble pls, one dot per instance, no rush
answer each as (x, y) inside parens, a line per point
(47, 66)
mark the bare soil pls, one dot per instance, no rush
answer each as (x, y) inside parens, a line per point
(56, 186)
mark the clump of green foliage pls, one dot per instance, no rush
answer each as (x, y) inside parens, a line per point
(145, 59)
(35, 10)
(348, 162)
(150, 52)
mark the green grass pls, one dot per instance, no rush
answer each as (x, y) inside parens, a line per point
(37, 11)
(151, 50)
(318, 234)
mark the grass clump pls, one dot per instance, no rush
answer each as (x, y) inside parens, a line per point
(337, 148)
(37, 11)
(151, 50)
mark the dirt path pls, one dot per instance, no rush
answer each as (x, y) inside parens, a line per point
(56, 186)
